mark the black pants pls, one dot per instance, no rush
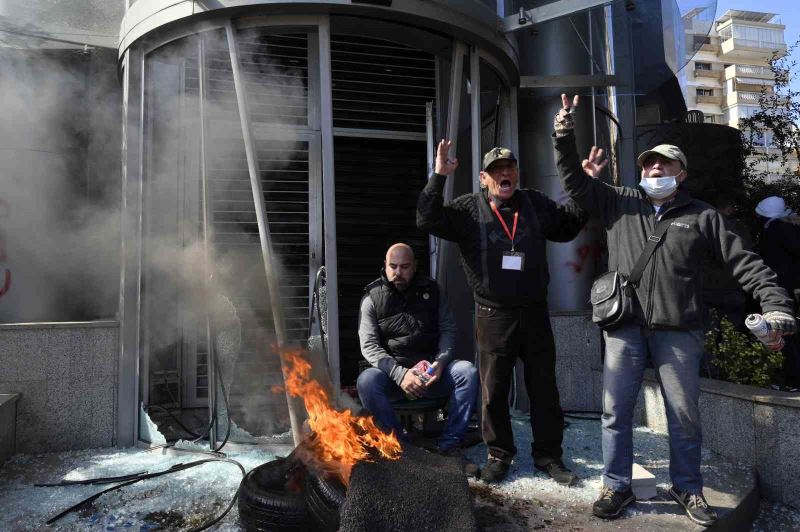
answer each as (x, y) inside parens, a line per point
(503, 335)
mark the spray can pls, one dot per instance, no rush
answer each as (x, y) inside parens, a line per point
(424, 371)
(761, 330)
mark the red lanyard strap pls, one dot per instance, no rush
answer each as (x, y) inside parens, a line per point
(511, 233)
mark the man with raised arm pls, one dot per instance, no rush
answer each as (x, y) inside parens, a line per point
(667, 321)
(501, 232)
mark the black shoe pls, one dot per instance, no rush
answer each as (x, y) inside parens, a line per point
(611, 503)
(470, 469)
(558, 472)
(695, 505)
(495, 470)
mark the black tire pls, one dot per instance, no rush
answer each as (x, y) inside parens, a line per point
(324, 498)
(266, 505)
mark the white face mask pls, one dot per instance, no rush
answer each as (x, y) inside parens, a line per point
(659, 187)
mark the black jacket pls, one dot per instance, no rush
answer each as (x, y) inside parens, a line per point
(409, 320)
(470, 222)
(780, 247)
(671, 288)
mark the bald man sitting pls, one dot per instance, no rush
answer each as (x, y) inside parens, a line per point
(405, 319)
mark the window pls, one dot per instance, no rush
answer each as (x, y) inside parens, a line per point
(705, 92)
(752, 35)
(709, 119)
(702, 66)
(700, 40)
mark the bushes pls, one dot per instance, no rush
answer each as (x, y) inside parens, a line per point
(740, 357)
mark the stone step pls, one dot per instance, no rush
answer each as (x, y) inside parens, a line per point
(530, 501)
(8, 424)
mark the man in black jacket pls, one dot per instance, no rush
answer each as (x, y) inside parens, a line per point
(780, 248)
(669, 317)
(501, 232)
(404, 319)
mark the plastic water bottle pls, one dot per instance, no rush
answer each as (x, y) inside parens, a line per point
(761, 330)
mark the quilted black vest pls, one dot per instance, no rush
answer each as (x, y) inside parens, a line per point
(408, 321)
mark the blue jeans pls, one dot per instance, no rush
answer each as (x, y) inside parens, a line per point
(459, 381)
(676, 357)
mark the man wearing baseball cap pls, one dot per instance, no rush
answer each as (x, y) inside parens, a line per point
(501, 232)
(667, 320)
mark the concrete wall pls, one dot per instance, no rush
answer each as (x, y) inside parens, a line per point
(8, 425)
(755, 426)
(578, 349)
(66, 375)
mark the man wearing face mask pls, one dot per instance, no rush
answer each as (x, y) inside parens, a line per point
(668, 322)
(501, 233)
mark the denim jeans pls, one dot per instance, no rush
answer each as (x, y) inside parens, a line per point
(676, 356)
(459, 381)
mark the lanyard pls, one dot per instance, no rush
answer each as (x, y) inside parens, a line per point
(513, 232)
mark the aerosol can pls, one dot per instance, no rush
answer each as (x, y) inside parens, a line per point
(761, 329)
(424, 371)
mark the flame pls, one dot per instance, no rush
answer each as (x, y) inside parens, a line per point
(339, 439)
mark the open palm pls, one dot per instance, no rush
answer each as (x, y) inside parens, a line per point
(595, 163)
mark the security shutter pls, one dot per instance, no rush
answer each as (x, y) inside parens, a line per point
(275, 68)
(379, 84)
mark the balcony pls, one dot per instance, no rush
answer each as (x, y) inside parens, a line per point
(710, 47)
(743, 97)
(714, 100)
(745, 49)
(710, 74)
(748, 71)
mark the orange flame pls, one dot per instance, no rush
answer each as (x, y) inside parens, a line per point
(339, 439)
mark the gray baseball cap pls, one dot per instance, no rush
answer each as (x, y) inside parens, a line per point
(497, 154)
(667, 150)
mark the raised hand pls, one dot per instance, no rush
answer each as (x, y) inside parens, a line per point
(595, 163)
(444, 164)
(563, 122)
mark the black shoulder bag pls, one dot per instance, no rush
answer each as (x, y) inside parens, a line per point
(612, 294)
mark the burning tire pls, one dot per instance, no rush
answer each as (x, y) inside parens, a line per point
(265, 503)
(324, 498)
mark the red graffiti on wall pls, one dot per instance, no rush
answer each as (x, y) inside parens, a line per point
(584, 253)
(5, 273)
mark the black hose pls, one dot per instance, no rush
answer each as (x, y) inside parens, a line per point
(177, 420)
(144, 476)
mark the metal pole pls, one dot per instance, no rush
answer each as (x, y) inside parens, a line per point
(207, 229)
(433, 242)
(296, 409)
(475, 112)
(591, 73)
(456, 77)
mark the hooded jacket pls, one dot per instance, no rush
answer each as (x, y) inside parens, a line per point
(671, 288)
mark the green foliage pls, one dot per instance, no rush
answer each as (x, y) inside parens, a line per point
(771, 140)
(741, 357)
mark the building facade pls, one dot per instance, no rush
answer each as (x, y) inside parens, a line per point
(727, 76)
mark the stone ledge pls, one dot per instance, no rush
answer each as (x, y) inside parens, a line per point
(58, 325)
(8, 398)
(742, 391)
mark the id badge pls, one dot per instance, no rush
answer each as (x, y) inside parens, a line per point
(513, 260)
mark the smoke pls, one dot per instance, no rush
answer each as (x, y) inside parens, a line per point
(60, 228)
(189, 276)
(60, 202)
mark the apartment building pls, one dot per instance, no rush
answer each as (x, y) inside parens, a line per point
(726, 75)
